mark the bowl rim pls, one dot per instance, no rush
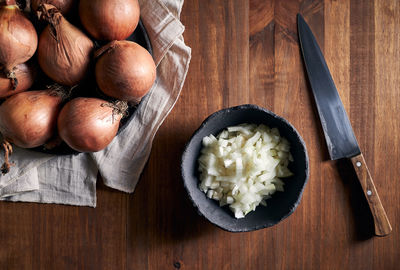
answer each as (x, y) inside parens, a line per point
(236, 108)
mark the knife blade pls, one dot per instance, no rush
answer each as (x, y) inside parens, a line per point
(339, 136)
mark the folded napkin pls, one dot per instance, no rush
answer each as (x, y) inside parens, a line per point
(38, 177)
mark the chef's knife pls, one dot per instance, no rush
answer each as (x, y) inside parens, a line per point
(339, 134)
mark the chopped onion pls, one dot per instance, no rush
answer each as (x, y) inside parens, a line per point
(242, 166)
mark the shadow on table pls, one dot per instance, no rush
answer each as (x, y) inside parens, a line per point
(160, 212)
(362, 219)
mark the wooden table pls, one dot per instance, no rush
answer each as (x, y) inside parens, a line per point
(246, 52)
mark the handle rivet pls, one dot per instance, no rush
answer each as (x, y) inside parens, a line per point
(358, 164)
(369, 192)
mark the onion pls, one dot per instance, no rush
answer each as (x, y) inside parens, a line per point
(125, 70)
(25, 73)
(109, 19)
(64, 50)
(64, 6)
(89, 124)
(18, 39)
(28, 120)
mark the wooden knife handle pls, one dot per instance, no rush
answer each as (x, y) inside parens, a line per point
(382, 224)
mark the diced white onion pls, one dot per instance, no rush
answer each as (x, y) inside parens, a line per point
(243, 165)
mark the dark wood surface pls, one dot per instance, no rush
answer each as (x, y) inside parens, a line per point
(246, 52)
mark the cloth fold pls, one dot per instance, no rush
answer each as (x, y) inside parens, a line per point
(44, 178)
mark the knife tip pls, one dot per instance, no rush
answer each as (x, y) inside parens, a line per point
(299, 17)
(300, 21)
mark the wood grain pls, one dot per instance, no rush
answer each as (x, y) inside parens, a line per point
(37, 236)
(246, 52)
(164, 230)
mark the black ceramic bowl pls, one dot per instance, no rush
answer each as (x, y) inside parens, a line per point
(281, 205)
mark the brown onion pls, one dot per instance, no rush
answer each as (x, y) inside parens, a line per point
(18, 39)
(89, 124)
(25, 73)
(64, 50)
(64, 6)
(109, 19)
(125, 70)
(28, 119)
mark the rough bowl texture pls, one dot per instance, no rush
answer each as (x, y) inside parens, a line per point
(281, 205)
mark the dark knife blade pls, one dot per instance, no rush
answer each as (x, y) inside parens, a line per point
(338, 132)
(339, 135)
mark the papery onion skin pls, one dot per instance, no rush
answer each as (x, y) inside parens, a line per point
(64, 6)
(125, 70)
(87, 124)
(109, 19)
(25, 73)
(18, 38)
(29, 119)
(64, 51)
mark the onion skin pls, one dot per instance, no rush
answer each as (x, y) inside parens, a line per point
(64, 51)
(109, 19)
(86, 125)
(29, 119)
(64, 6)
(18, 39)
(125, 70)
(25, 73)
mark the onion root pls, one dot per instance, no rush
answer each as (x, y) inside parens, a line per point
(5, 168)
(62, 91)
(13, 78)
(119, 108)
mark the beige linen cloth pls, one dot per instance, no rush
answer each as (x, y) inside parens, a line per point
(71, 179)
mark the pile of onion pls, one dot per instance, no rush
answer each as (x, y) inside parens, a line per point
(123, 70)
(18, 40)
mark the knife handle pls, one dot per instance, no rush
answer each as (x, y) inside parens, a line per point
(382, 224)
